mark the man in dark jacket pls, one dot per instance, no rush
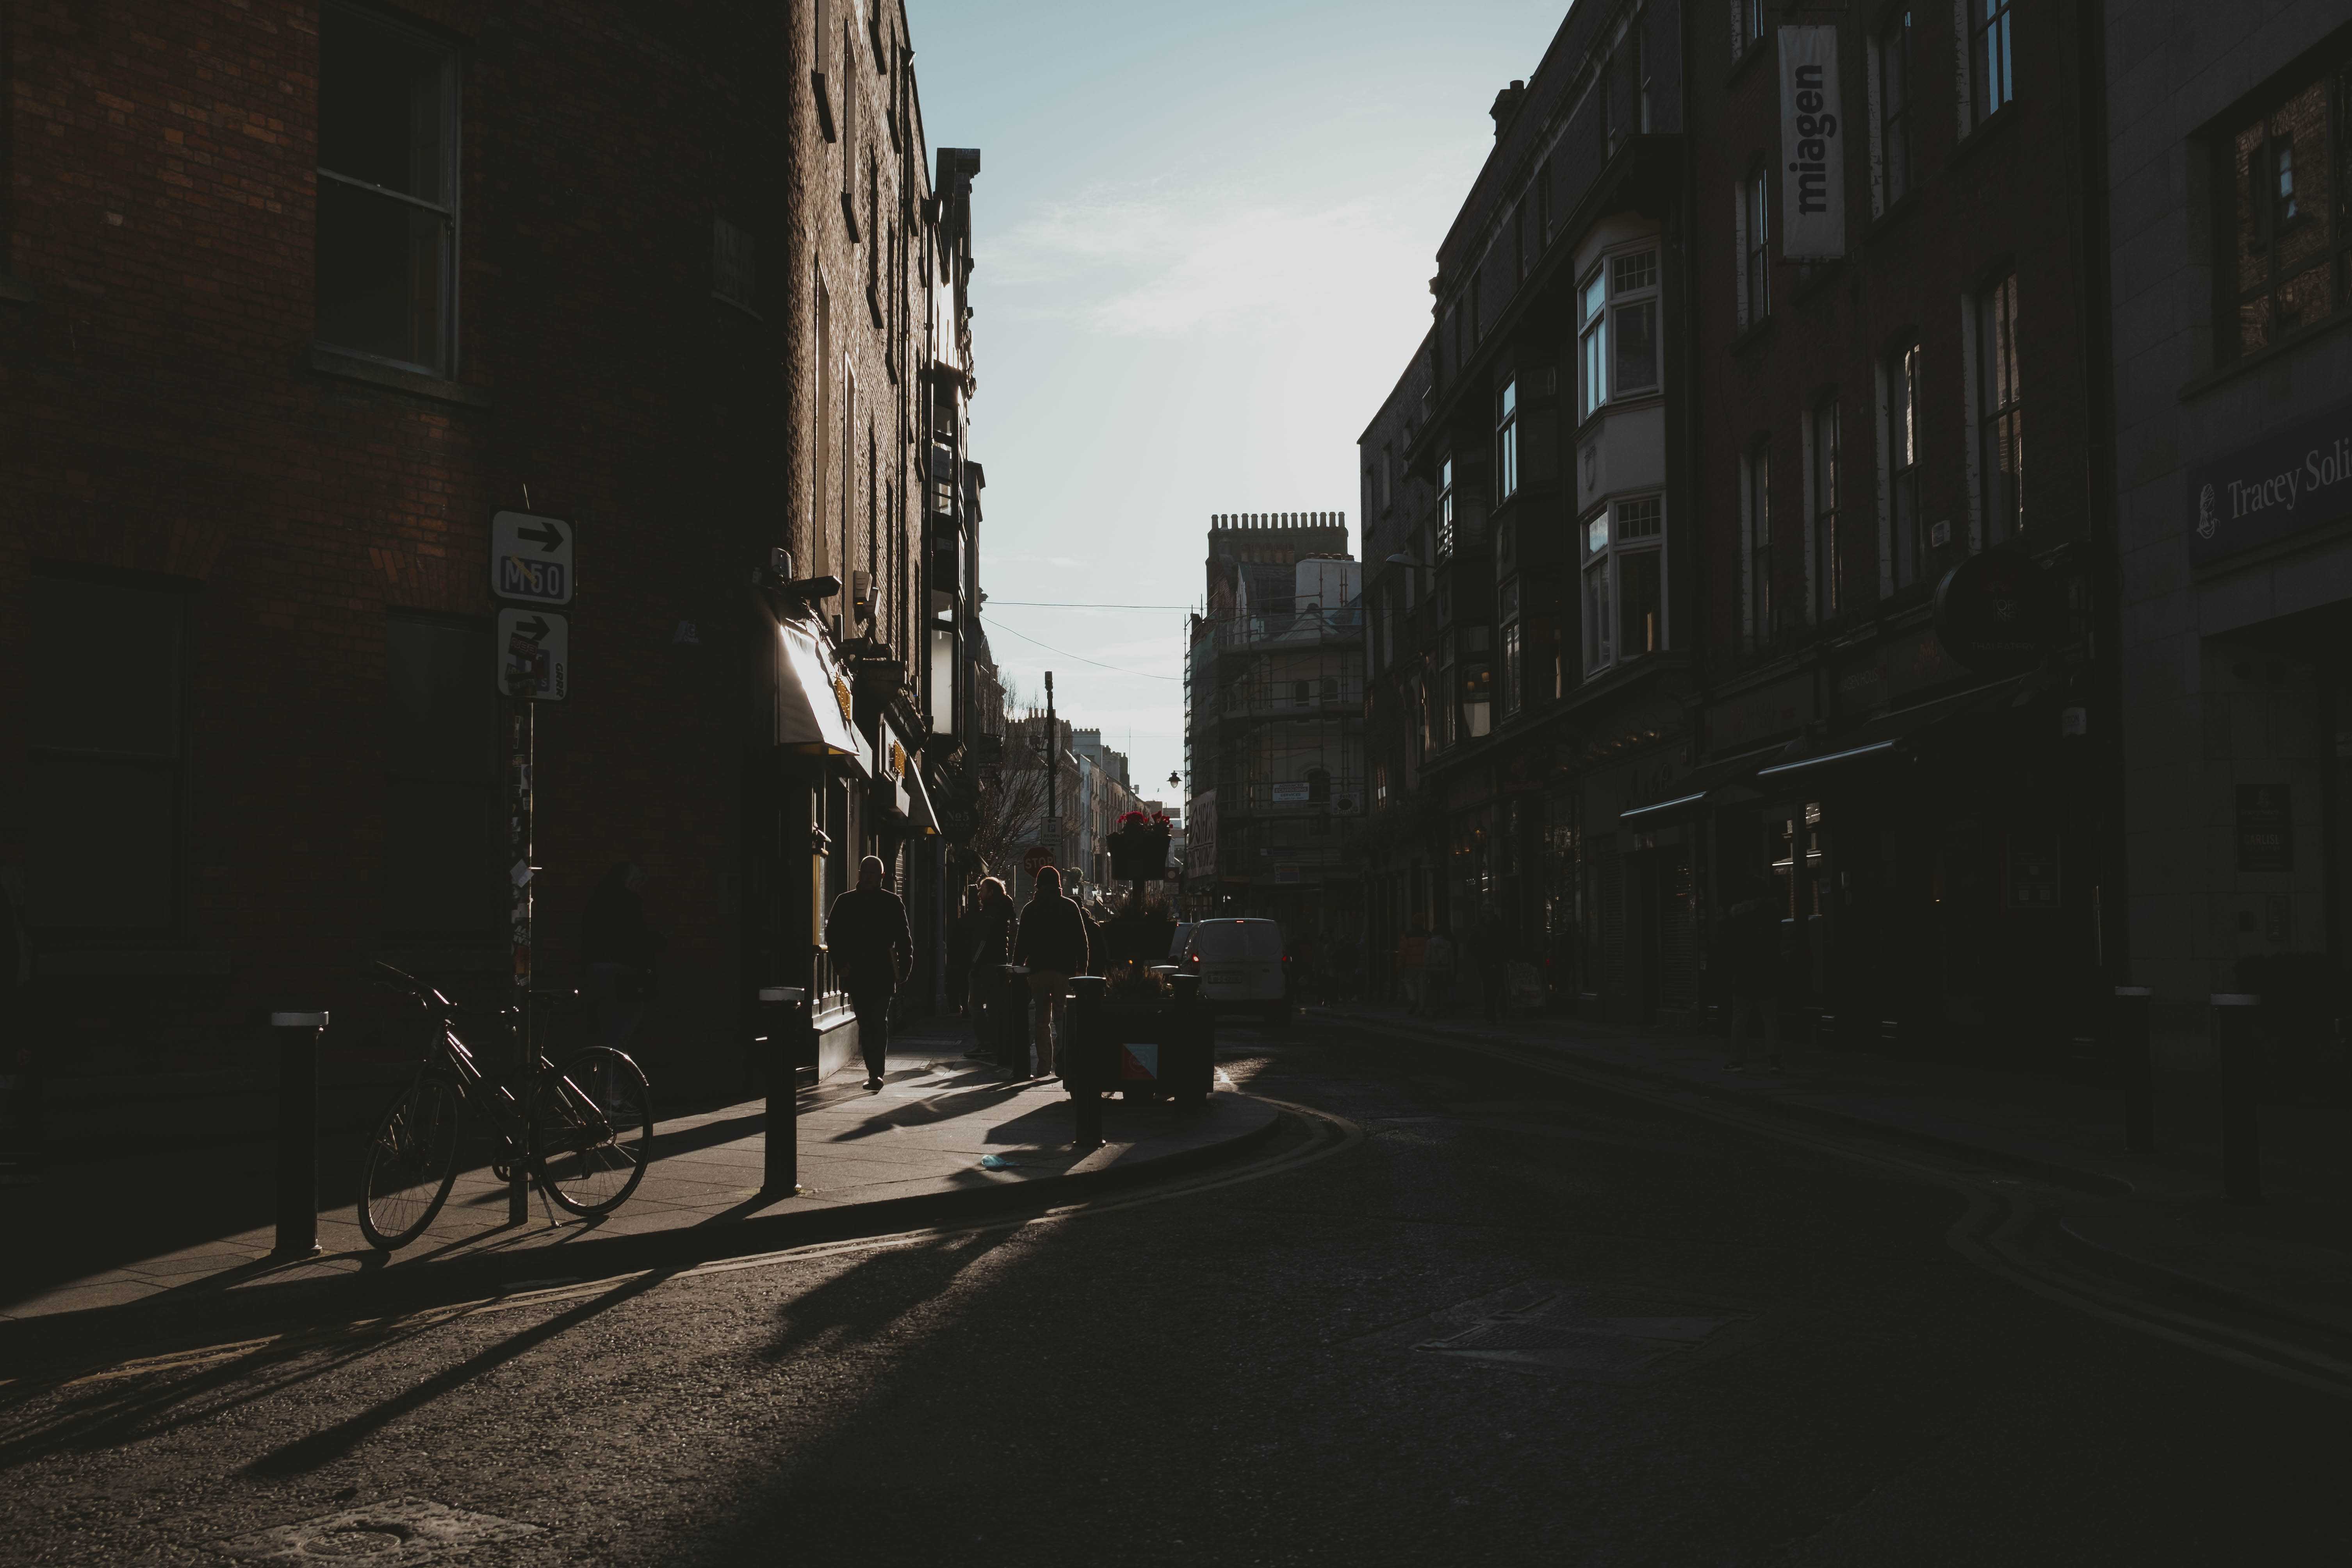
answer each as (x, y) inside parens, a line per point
(1053, 943)
(873, 951)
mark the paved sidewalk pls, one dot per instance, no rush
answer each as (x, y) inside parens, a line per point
(2160, 1219)
(945, 1137)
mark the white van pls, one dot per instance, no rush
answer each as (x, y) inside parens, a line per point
(1240, 963)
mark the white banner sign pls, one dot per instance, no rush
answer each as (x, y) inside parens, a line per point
(1812, 146)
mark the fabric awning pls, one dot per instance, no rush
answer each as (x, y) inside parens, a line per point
(813, 699)
(1719, 783)
(1890, 737)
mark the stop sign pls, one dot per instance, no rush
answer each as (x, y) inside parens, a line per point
(1037, 859)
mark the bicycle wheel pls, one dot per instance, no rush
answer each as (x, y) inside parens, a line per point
(411, 1161)
(592, 1130)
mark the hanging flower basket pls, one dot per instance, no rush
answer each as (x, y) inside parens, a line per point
(1139, 848)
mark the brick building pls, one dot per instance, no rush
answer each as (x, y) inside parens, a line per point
(296, 297)
(1898, 296)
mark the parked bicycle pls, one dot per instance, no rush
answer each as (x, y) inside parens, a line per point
(582, 1131)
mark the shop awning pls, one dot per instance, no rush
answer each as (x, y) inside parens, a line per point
(813, 699)
(1723, 782)
(1888, 738)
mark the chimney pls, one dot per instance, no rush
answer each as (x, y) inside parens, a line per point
(1506, 107)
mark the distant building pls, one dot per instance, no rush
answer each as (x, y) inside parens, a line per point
(1273, 741)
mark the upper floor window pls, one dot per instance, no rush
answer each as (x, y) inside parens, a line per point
(1445, 508)
(2001, 459)
(1753, 213)
(1892, 87)
(2288, 233)
(1507, 441)
(1827, 563)
(1993, 77)
(387, 242)
(1618, 327)
(1756, 507)
(1387, 476)
(1907, 543)
(1624, 583)
(1747, 26)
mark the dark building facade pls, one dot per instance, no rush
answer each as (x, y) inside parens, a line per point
(1903, 745)
(296, 298)
(1532, 543)
(2229, 148)
(1274, 706)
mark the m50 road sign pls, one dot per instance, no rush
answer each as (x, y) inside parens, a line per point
(534, 655)
(531, 558)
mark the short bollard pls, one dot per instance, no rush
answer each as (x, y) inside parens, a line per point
(1013, 1020)
(2135, 1065)
(298, 1131)
(779, 1033)
(1082, 1049)
(2233, 1039)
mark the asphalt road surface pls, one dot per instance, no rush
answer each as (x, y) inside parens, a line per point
(1465, 1315)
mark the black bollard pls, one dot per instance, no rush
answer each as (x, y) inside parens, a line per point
(781, 1009)
(1082, 1069)
(2135, 1063)
(2233, 1039)
(298, 1131)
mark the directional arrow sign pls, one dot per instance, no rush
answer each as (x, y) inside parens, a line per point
(534, 655)
(531, 558)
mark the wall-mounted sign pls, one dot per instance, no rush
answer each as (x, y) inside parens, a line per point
(1999, 611)
(1812, 146)
(2298, 477)
(1290, 794)
(2032, 874)
(2265, 827)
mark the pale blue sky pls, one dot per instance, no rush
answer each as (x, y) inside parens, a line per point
(1204, 234)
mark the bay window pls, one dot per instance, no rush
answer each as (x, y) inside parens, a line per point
(1624, 583)
(1617, 310)
(387, 203)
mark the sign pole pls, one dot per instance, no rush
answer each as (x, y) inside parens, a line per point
(522, 728)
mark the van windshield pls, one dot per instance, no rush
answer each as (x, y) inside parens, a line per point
(1225, 940)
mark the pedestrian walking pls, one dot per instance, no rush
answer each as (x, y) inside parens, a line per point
(992, 949)
(1053, 943)
(873, 951)
(617, 952)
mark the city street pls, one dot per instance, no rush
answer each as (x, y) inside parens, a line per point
(1458, 1313)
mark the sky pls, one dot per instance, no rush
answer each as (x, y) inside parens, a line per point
(1203, 235)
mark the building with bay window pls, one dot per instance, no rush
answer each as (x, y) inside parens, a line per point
(1530, 542)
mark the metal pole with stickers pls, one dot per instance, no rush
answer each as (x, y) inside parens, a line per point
(530, 562)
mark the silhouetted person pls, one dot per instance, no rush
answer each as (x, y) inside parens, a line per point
(991, 951)
(873, 953)
(1053, 943)
(617, 950)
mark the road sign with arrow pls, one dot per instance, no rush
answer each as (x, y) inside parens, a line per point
(534, 659)
(531, 558)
